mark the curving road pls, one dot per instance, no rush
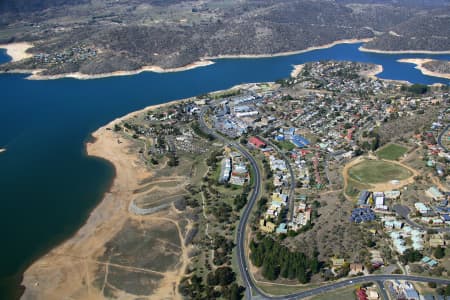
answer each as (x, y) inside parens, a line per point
(254, 292)
(439, 140)
(242, 262)
(356, 280)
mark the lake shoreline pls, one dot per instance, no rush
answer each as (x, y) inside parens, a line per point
(419, 62)
(363, 49)
(372, 73)
(103, 222)
(124, 96)
(202, 62)
(17, 51)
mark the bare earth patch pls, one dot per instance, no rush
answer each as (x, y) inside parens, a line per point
(116, 254)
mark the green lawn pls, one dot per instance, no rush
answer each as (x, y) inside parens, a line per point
(284, 289)
(347, 293)
(355, 187)
(392, 152)
(286, 145)
(377, 171)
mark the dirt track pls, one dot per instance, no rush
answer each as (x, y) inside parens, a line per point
(72, 269)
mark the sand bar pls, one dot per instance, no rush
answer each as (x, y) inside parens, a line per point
(17, 51)
(419, 62)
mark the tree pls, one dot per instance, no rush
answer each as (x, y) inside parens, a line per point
(375, 143)
(418, 88)
(444, 291)
(277, 260)
(366, 145)
(240, 201)
(211, 279)
(439, 252)
(410, 256)
(173, 160)
(225, 275)
(234, 292)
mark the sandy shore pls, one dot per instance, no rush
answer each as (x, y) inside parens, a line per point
(329, 45)
(402, 51)
(372, 73)
(297, 69)
(17, 51)
(36, 74)
(68, 270)
(419, 62)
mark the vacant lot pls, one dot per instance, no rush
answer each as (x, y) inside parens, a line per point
(146, 245)
(377, 171)
(391, 152)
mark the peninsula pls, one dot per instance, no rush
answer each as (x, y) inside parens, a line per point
(294, 187)
(430, 67)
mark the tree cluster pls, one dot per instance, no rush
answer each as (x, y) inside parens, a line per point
(193, 287)
(277, 260)
(223, 248)
(410, 256)
(173, 159)
(198, 131)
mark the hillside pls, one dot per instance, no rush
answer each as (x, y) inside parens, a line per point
(101, 36)
(440, 66)
(429, 32)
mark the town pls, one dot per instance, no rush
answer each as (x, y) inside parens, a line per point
(354, 179)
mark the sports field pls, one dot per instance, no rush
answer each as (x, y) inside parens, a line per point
(377, 171)
(391, 152)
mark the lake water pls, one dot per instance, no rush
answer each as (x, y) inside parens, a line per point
(48, 185)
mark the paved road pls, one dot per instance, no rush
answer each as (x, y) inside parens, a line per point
(439, 140)
(357, 280)
(242, 262)
(404, 211)
(251, 290)
(383, 293)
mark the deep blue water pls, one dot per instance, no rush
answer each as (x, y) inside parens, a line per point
(48, 185)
